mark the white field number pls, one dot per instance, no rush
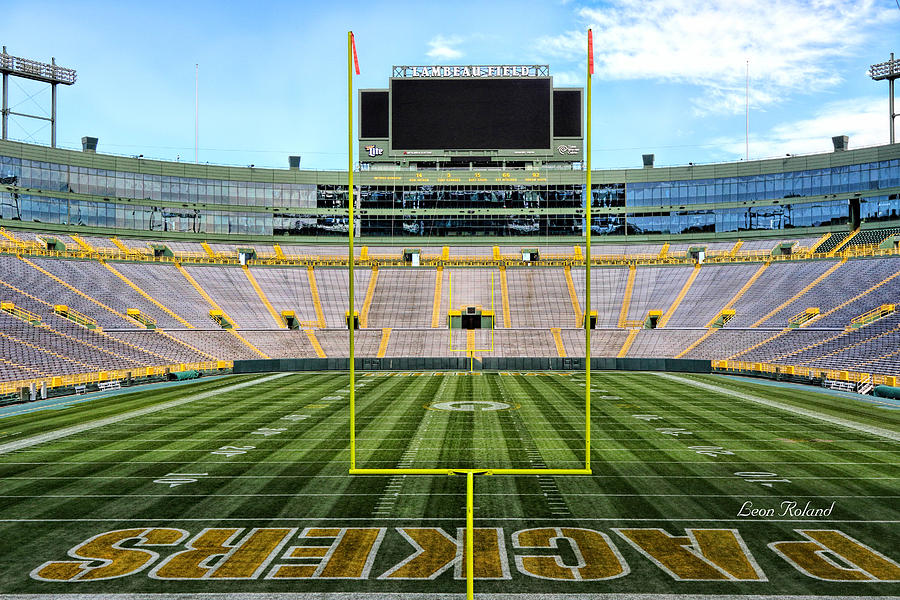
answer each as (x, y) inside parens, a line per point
(295, 417)
(267, 431)
(230, 451)
(676, 431)
(710, 450)
(176, 479)
(647, 417)
(763, 478)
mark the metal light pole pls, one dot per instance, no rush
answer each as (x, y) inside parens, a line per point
(889, 70)
(30, 69)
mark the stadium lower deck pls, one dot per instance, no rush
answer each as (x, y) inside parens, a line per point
(70, 315)
(701, 484)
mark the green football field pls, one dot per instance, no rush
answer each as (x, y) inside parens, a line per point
(702, 485)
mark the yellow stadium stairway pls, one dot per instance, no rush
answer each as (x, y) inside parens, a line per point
(819, 242)
(735, 248)
(279, 253)
(843, 243)
(150, 298)
(74, 289)
(557, 339)
(208, 249)
(186, 345)
(664, 251)
(573, 295)
(218, 308)
(279, 322)
(504, 294)
(104, 350)
(757, 345)
(46, 351)
(626, 299)
(797, 351)
(314, 292)
(708, 333)
(436, 304)
(10, 237)
(24, 368)
(311, 334)
(118, 244)
(859, 366)
(627, 344)
(84, 245)
(794, 298)
(859, 343)
(385, 338)
(677, 301)
(370, 294)
(737, 296)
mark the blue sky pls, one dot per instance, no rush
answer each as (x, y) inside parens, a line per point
(670, 74)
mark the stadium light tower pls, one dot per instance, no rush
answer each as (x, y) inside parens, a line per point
(37, 71)
(889, 70)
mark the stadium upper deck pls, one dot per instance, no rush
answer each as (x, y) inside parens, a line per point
(51, 189)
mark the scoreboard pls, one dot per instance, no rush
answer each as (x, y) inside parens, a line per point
(473, 114)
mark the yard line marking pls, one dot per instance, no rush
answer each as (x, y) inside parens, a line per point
(62, 433)
(880, 432)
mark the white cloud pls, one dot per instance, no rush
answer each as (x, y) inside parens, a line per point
(444, 48)
(568, 78)
(863, 119)
(788, 44)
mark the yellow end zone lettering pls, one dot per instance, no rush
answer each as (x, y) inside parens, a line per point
(596, 556)
(115, 561)
(350, 555)
(245, 560)
(812, 557)
(702, 555)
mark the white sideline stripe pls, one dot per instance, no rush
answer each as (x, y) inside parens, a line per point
(61, 433)
(429, 495)
(885, 433)
(271, 519)
(410, 596)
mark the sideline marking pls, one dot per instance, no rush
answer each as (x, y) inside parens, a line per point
(885, 433)
(61, 433)
(413, 596)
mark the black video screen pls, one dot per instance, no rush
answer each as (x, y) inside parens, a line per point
(566, 113)
(463, 114)
(373, 106)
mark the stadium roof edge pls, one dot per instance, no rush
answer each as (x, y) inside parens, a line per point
(267, 175)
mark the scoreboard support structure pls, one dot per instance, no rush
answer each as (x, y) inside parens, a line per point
(468, 472)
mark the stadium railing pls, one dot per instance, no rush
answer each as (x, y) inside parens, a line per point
(61, 381)
(798, 371)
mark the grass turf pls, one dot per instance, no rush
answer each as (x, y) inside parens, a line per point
(664, 455)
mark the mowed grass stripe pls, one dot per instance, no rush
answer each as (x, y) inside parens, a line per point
(107, 478)
(400, 403)
(666, 400)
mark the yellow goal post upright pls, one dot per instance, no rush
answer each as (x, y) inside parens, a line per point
(468, 472)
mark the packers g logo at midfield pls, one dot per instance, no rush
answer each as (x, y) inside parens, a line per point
(470, 405)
